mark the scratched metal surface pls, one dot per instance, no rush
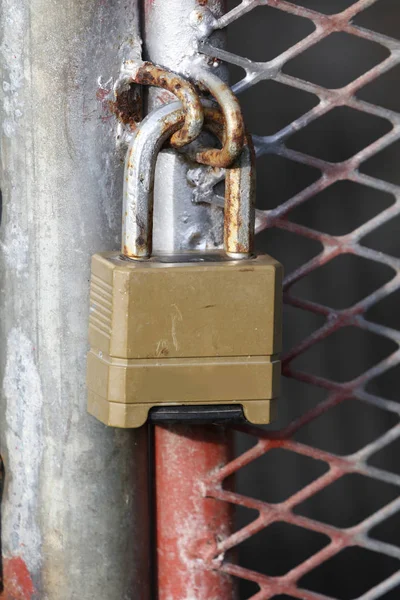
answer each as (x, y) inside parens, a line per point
(74, 506)
(364, 160)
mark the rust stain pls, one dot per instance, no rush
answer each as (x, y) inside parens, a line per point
(164, 97)
(233, 223)
(102, 96)
(126, 251)
(149, 74)
(17, 581)
(232, 142)
(128, 106)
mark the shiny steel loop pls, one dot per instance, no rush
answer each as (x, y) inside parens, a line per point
(145, 73)
(137, 223)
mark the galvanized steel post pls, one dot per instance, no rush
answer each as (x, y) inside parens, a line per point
(186, 520)
(170, 39)
(75, 504)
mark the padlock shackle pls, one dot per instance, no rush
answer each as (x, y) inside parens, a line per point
(240, 181)
(137, 221)
(234, 129)
(146, 73)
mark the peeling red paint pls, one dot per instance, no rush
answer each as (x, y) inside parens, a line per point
(17, 581)
(164, 97)
(189, 525)
(103, 95)
(148, 5)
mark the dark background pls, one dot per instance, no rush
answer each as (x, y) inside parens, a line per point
(260, 35)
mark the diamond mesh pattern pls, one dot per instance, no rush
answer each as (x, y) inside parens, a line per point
(289, 585)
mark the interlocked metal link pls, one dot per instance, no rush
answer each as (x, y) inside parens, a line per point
(145, 73)
(139, 181)
(359, 536)
(234, 128)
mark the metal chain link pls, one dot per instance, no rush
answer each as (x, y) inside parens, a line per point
(146, 73)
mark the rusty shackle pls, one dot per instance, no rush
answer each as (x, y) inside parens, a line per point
(141, 159)
(145, 73)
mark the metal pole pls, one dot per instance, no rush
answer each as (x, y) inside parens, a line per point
(185, 519)
(74, 506)
(169, 39)
(189, 526)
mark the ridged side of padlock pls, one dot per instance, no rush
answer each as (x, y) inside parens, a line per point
(109, 300)
(101, 305)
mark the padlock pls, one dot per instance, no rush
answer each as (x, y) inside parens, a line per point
(195, 329)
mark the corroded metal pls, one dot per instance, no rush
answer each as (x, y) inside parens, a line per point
(234, 133)
(179, 223)
(139, 181)
(189, 524)
(145, 73)
(137, 215)
(239, 204)
(74, 508)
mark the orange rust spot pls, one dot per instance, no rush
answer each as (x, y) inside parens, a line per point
(17, 581)
(102, 94)
(128, 106)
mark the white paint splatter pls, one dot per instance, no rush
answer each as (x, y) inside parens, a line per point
(162, 348)
(12, 52)
(15, 247)
(23, 393)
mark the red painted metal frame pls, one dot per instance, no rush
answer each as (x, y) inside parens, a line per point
(189, 524)
(201, 486)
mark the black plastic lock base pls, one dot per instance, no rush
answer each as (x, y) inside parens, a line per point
(197, 415)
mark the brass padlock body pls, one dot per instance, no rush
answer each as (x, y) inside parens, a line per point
(176, 333)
